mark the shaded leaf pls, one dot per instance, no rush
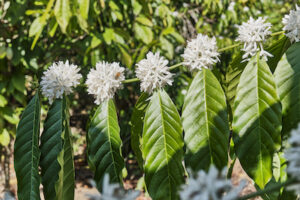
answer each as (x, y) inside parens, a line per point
(257, 121)
(56, 156)
(104, 144)
(137, 120)
(287, 76)
(27, 153)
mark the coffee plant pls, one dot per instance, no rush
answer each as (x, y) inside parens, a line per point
(250, 115)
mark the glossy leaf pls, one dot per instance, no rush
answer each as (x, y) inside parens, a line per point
(233, 75)
(27, 153)
(56, 155)
(137, 120)
(162, 148)
(236, 67)
(104, 144)
(257, 121)
(287, 76)
(205, 123)
(65, 185)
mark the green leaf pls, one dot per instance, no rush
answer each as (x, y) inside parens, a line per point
(65, 185)
(162, 148)
(205, 123)
(84, 6)
(4, 137)
(62, 12)
(277, 49)
(137, 120)
(287, 75)
(36, 27)
(143, 33)
(233, 74)
(104, 144)
(257, 121)
(56, 154)
(144, 20)
(3, 101)
(27, 153)
(236, 67)
(42, 21)
(18, 81)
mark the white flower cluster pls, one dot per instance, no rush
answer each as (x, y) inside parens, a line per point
(60, 78)
(201, 52)
(210, 186)
(293, 157)
(253, 33)
(291, 24)
(114, 192)
(153, 72)
(104, 81)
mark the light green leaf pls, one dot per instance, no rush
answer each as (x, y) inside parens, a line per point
(62, 12)
(257, 121)
(4, 137)
(287, 76)
(143, 33)
(144, 20)
(35, 27)
(205, 123)
(137, 120)
(27, 153)
(84, 6)
(236, 67)
(56, 154)
(162, 148)
(3, 101)
(104, 144)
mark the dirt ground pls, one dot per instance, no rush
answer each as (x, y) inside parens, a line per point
(84, 188)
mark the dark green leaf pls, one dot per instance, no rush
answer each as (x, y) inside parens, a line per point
(137, 120)
(257, 121)
(287, 76)
(104, 144)
(162, 148)
(27, 153)
(277, 50)
(56, 154)
(205, 123)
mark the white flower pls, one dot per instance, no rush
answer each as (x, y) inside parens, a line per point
(201, 52)
(253, 33)
(210, 186)
(246, 9)
(104, 81)
(291, 24)
(60, 78)
(231, 6)
(293, 157)
(153, 72)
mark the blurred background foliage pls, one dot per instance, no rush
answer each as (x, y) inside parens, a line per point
(35, 33)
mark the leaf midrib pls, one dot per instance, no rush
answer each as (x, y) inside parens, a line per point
(33, 143)
(206, 116)
(165, 143)
(258, 115)
(109, 138)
